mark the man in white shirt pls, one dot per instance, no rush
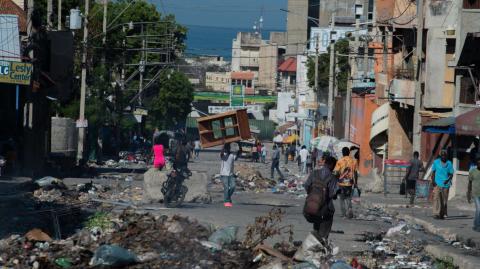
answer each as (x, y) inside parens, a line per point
(197, 148)
(226, 174)
(303, 159)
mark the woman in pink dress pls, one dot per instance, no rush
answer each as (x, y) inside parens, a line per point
(158, 157)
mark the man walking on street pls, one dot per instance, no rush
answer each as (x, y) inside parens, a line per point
(197, 148)
(413, 174)
(276, 162)
(323, 220)
(442, 174)
(474, 192)
(346, 170)
(303, 159)
(226, 174)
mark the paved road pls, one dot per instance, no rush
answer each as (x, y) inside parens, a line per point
(248, 205)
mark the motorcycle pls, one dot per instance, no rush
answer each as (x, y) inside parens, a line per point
(173, 190)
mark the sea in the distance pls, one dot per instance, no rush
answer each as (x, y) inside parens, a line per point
(209, 40)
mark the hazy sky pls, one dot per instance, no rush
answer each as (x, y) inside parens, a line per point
(226, 13)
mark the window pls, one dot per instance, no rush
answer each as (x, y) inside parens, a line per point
(471, 4)
(249, 83)
(293, 80)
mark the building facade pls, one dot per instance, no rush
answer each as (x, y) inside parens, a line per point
(218, 81)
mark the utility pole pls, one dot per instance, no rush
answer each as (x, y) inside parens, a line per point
(353, 72)
(418, 83)
(49, 14)
(141, 68)
(366, 64)
(316, 92)
(59, 15)
(104, 26)
(331, 75)
(30, 5)
(83, 86)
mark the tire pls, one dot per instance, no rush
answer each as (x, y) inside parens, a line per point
(175, 199)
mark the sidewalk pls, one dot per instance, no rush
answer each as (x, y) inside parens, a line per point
(456, 227)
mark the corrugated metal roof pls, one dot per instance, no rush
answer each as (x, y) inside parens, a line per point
(289, 65)
(9, 38)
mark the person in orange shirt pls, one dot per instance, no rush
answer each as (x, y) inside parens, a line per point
(346, 171)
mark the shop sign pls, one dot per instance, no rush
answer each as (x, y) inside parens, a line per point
(15, 72)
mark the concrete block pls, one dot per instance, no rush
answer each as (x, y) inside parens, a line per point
(197, 186)
(152, 184)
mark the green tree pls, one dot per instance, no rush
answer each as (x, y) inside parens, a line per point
(267, 106)
(342, 74)
(172, 104)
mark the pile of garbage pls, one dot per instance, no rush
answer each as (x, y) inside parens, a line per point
(135, 241)
(53, 190)
(250, 179)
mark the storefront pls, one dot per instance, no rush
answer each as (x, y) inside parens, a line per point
(457, 136)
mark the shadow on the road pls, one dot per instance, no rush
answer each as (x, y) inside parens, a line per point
(21, 212)
(458, 217)
(268, 204)
(192, 206)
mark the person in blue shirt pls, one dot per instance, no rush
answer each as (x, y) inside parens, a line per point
(442, 174)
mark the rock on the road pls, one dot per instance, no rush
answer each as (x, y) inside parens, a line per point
(196, 184)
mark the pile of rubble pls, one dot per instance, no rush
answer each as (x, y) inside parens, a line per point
(138, 241)
(250, 179)
(53, 190)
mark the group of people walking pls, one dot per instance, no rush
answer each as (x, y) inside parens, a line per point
(441, 181)
(339, 178)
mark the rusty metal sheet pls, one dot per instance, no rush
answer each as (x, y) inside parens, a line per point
(468, 123)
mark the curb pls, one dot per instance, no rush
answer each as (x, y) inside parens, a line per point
(459, 259)
(445, 233)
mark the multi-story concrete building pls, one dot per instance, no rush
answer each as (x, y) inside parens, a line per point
(246, 52)
(261, 57)
(297, 27)
(218, 81)
(449, 81)
(270, 56)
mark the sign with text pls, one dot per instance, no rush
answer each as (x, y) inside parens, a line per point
(237, 95)
(15, 72)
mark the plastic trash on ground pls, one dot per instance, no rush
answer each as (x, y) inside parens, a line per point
(48, 181)
(395, 230)
(340, 265)
(314, 251)
(225, 235)
(113, 256)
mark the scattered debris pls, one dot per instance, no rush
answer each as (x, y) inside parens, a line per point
(265, 227)
(113, 256)
(224, 236)
(141, 240)
(37, 235)
(316, 251)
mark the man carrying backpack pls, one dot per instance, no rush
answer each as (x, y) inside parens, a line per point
(322, 188)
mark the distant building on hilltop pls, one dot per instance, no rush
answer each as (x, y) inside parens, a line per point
(218, 81)
(261, 57)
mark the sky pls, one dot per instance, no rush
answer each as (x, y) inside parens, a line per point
(226, 13)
